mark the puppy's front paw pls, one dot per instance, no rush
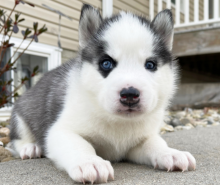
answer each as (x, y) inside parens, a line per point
(92, 169)
(171, 159)
(30, 150)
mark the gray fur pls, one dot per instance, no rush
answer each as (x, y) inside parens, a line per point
(162, 26)
(90, 21)
(40, 106)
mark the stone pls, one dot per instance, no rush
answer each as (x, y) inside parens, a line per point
(194, 123)
(197, 116)
(162, 132)
(212, 111)
(4, 153)
(178, 128)
(175, 122)
(7, 159)
(2, 157)
(199, 126)
(216, 118)
(210, 120)
(4, 123)
(186, 127)
(185, 121)
(168, 128)
(189, 118)
(215, 123)
(179, 114)
(5, 140)
(188, 111)
(4, 131)
(189, 125)
(206, 110)
(167, 119)
(203, 123)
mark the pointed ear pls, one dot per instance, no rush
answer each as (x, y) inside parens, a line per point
(163, 26)
(89, 23)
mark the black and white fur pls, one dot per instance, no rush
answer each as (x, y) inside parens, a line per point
(75, 116)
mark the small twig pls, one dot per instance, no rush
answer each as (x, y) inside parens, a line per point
(2, 46)
(15, 90)
(4, 34)
(3, 70)
(16, 50)
(23, 50)
(2, 56)
(8, 17)
(10, 34)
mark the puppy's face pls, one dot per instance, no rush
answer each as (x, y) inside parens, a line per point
(127, 64)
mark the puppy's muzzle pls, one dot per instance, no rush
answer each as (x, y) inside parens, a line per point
(130, 97)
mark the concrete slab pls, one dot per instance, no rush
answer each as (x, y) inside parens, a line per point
(203, 143)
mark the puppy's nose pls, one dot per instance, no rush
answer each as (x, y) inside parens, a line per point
(129, 97)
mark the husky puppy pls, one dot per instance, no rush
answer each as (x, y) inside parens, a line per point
(107, 104)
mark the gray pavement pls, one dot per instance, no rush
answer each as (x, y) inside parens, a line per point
(203, 143)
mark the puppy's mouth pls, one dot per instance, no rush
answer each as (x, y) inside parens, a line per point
(129, 111)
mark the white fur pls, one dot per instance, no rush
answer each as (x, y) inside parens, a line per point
(90, 124)
(94, 127)
(30, 151)
(25, 146)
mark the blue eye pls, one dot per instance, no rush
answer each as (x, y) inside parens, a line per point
(150, 65)
(106, 65)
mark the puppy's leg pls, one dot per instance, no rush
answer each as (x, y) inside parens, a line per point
(74, 154)
(23, 140)
(154, 151)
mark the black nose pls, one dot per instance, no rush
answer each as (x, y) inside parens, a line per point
(129, 97)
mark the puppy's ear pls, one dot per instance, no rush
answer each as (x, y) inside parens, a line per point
(163, 26)
(89, 23)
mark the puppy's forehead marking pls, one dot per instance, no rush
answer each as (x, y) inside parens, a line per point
(128, 37)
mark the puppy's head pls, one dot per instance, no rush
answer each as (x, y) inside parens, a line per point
(127, 62)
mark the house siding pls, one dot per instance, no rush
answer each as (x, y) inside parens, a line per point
(69, 29)
(201, 10)
(67, 55)
(141, 7)
(40, 14)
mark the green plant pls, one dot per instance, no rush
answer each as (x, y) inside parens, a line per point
(8, 26)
